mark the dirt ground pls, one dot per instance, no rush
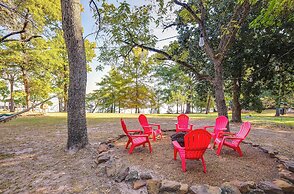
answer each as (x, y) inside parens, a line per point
(33, 158)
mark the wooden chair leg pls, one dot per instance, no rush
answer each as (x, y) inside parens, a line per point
(238, 149)
(128, 144)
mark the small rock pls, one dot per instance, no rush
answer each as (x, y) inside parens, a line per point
(280, 167)
(138, 184)
(167, 185)
(256, 191)
(133, 175)
(184, 189)
(103, 159)
(244, 187)
(145, 176)
(102, 148)
(286, 174)
(282, 159)
(230, 188)
(153, 186)
(204, 189)
(269, 187)
(122, 174)
(290, 165)
(284, 185)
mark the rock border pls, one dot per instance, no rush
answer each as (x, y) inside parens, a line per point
(107, 164)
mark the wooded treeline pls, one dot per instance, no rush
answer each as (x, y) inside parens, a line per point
(245, 61)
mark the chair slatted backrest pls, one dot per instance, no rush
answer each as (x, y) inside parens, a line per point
(196, 143)
(244, 130)
(123, 125)
(183, 121)
(144, 122)
(220, 123)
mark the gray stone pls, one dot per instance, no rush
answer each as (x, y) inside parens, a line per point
(133, 175)
(167, 185)
(204, 189)
(256, 191)
(102, 148)
(103, 158)
(290, 165)
(122, 174)
(269, 187)
(286, 174)
(138, 184)
(284, 185)
(183, 189)
(145, 176)
(101, 170)
(153, 186)
(244, 187)
(230, 188)
(114, 167)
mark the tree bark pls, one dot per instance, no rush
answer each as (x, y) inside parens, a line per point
(11, 82)
(236, 106)
(219, 89)
(72, 27)
(208, 102)
(27, 88)
(65, 88)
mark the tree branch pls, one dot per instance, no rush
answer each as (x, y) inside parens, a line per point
(98, 21)
(237, 19)
(171, 58)
(208, 49)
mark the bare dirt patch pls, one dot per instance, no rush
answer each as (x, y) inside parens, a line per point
(254, 165)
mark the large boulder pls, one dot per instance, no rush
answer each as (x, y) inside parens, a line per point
(167, 185)
(284, 185)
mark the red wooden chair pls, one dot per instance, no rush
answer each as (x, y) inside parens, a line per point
(183, 124)
(148, 127)
(196, 143)
(135, 140)
(232, 140)
(220, 125)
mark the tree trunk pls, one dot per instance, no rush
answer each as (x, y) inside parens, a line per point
(72, 27)
(208, 102)
(60, 102)
(219, 89)
(65, 94)
(27, 88)
(11, 82)
(236, 106)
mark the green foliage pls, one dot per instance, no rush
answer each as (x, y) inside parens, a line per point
(274, 12)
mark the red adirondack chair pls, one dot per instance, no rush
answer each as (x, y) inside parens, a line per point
(135, 140)
(232, 140)
(183, 124)
(148, 127)
(220, 125)
(196, 143)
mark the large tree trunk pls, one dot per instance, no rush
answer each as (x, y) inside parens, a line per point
(72, 27)
(236, 106)
(208, 102)
(27, 88)
(65, 88)
(219, 89)
(11, 82)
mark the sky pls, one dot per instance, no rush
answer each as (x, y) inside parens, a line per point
(88, 24)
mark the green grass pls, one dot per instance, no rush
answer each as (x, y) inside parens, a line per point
(266, 117)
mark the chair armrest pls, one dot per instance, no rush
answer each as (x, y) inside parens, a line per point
(177, 145)
(205, 127)
(222, 134)
(228, 137)
(135, 130)
(143, 135)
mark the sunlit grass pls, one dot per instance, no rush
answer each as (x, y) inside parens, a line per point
(266, 117)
